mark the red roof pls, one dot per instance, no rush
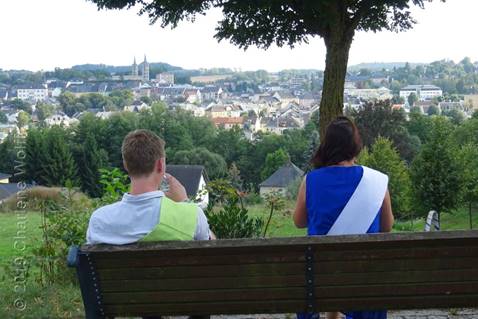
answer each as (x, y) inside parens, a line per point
(228, 120)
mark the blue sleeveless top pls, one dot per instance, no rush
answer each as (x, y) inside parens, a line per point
(328, 190)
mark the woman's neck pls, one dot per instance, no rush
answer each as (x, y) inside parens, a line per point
(346, 163)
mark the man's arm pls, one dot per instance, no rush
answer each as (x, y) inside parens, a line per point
(202, 229)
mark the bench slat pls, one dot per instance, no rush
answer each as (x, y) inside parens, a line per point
(291, 306)
(266, 294)
(204, 271)
(363, 272)
(203, 283)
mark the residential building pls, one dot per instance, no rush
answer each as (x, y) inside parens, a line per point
(193, 178)
(197, 111)
(165, 78)
(228, 122)
(278, 125)
(211, 93)
(218, 110)
(60, 119)
(286, 97)
(32, 92)
(370, 94)
(136, 106)
(192, 95)
(3, 94)
(423, 92)
(280, 180)
(448, 106)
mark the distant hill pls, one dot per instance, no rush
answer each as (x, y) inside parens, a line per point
(380, 65)
(163, 67)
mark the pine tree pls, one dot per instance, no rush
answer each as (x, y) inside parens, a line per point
(57, 161)
(35, 146)
(385, 158)
(435, 173)
(90, 159)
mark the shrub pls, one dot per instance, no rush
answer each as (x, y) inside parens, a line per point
(253, 198)
(232, 220)
(35, 196)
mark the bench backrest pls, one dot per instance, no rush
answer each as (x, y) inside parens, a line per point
(281, 275)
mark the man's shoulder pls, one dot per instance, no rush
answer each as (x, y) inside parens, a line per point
(105, 210)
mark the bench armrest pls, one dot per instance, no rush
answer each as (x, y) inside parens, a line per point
(72, 258)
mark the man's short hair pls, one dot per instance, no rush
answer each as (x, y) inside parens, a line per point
(141, 149)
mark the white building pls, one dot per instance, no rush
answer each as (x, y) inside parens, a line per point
(32, 93)
(369, 94)
(193, 178)
(60, 119)
(423, 92)
(165, 78)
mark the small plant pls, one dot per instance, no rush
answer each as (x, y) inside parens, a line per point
(63, 224)
(232, 220)
(115, 184)
(274, 202)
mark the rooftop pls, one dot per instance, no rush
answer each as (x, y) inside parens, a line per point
(283, 176)
(188, 175)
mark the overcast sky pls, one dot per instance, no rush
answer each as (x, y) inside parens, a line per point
(43, 34)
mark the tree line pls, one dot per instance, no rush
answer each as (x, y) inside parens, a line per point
(431, 161)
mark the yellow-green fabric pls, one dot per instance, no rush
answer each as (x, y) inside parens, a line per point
(177, 221)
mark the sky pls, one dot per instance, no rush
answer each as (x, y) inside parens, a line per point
(44, 34)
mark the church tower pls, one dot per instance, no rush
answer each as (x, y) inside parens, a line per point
(145, 69)
(134, 71)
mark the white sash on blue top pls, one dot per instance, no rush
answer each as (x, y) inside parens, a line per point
(362, 208)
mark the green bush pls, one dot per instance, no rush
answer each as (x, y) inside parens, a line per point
(232, 220)
(253, 198)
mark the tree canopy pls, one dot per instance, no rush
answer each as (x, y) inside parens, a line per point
(289, 22)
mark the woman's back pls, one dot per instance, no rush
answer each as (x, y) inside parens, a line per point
(328, 190)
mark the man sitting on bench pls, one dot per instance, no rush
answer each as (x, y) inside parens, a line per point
(146, 213)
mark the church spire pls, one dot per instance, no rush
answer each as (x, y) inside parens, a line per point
(134, 71)
(145, 69)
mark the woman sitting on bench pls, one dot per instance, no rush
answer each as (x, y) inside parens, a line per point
(339, 197)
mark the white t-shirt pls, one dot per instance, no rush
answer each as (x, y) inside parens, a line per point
(131, 219)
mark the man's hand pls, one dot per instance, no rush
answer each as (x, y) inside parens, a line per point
(176, 191)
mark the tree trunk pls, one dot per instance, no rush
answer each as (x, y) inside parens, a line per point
(331, 105)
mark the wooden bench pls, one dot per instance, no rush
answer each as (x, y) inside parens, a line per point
(280, 275)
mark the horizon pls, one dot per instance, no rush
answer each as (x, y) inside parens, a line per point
(76, 33)
(413, 64)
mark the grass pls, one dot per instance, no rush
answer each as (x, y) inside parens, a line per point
(64, 300)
